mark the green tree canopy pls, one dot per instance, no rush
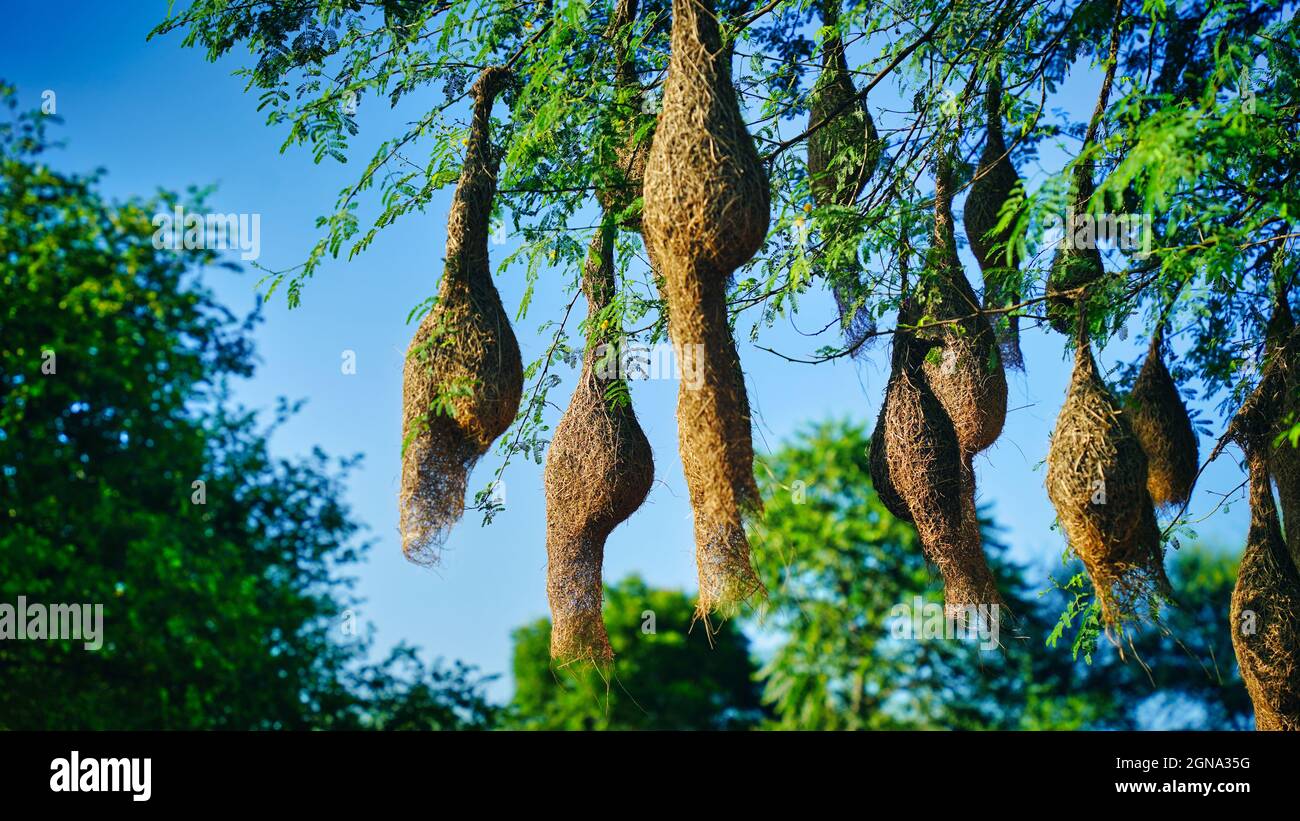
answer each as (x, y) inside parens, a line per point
(1187, 123)
(224, 602)
(666, 675)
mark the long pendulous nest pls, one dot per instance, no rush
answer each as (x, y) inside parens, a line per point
(999, 260)
(966, 370)
(842, 155)
(921, 475)
(1161, 424)
(1269, 412)
(1097, 481)
(1266, 607)
(706, 212)
(1282, 375)
(599, 469)
(463, 377)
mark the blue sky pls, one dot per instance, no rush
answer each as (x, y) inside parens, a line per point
(156, 115)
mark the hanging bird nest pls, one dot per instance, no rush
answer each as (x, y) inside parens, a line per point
(599, 469)
(1161, 424)
(463, 377)
(966, 371)
(920, 474)
(1073, 267)
(1266, 607)
(1281, 369)
(1097, 481)
(842, 155)
(996, 252)
(706, 213)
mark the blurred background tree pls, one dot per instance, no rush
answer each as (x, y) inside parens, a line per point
(667, 673)
(225, 602)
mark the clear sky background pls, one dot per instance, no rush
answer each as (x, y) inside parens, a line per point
(156, 115)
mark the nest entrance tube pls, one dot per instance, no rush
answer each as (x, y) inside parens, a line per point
(706, 213)
(599, 469)
(463, 376)
(1097, 481)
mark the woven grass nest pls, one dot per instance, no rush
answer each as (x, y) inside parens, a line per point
(1161, 424)
(1282, 369)
(1097, 481)
(463, 352)
(1073, 268)
(966, 370)
(1266, 608)
(842, 155)
(1263, 417)
(995, 180)
(706, 212)
(921, 475)
(599, 470)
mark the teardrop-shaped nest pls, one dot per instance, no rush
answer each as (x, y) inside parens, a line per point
(463, 376)
(706, 213)
(707, 203)
(921, 475)
(1266, 609)
(966, 371)
(1097, 481)
(1161, 424)
(995, 180)
(842, 155)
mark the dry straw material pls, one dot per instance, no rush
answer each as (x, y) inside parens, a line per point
(921, 475)
(1269, 411)
(1282, 373)
(995, 180)
(463, 376)
(1266, 608)
(966, 371)
(1161, 424)
(599, 469)
(842, 154)
(1097, 481)
(706, 213)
